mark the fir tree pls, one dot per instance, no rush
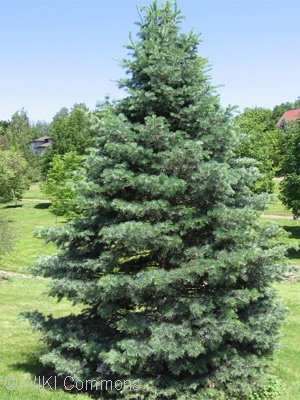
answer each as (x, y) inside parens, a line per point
(171, 267)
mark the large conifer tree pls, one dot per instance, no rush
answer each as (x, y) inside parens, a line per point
(168, 260)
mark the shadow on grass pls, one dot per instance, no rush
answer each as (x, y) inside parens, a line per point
(294, 232)
(32, 366)
(293, 254)
(42, 206)
(14, 206)
(42, 377)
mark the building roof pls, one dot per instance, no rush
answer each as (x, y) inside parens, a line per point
(44, 145)
(41, 139)
(290, 115)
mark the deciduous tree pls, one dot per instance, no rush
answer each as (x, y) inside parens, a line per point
(260, 141)
(290, 186)
(18, 134)
(281, 108)
(60, 184)
(69, 131)
(12, 175)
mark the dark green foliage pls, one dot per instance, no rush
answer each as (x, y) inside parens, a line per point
(290, 186)
(18, 135)
(168, 260)
(33, 174)
(40, 128)
(3, 126)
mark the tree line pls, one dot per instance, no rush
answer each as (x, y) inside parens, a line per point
(271, 150)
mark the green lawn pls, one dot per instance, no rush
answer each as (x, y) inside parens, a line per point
(26, 216)
(34, 192)
(287, 361)
(276, 207)
(292, 227)
(19, 345)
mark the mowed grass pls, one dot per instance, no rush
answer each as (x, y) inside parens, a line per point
(276, 207)
(25, 217)
(292, 227)
(19, 345)
(287, 361)
(34, 192)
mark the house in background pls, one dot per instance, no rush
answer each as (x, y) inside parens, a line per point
(40, 144)
(288, 116)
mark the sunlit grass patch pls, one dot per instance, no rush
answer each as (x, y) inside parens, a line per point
(287, 361)
(34, 192)
(20, 345)
(26, 216)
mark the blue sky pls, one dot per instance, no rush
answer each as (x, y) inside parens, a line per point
(58, 53)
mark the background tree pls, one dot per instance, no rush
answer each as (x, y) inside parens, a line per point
(12, 175)
(70, 133)
(290, 186)
(2, 135)
(260, 141)
(18, 134)
(169, 260)
(59, 185)
(3, 127)
(40, 128)
(279, 110)
(33, 172)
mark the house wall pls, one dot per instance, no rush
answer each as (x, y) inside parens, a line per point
(39, 150)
